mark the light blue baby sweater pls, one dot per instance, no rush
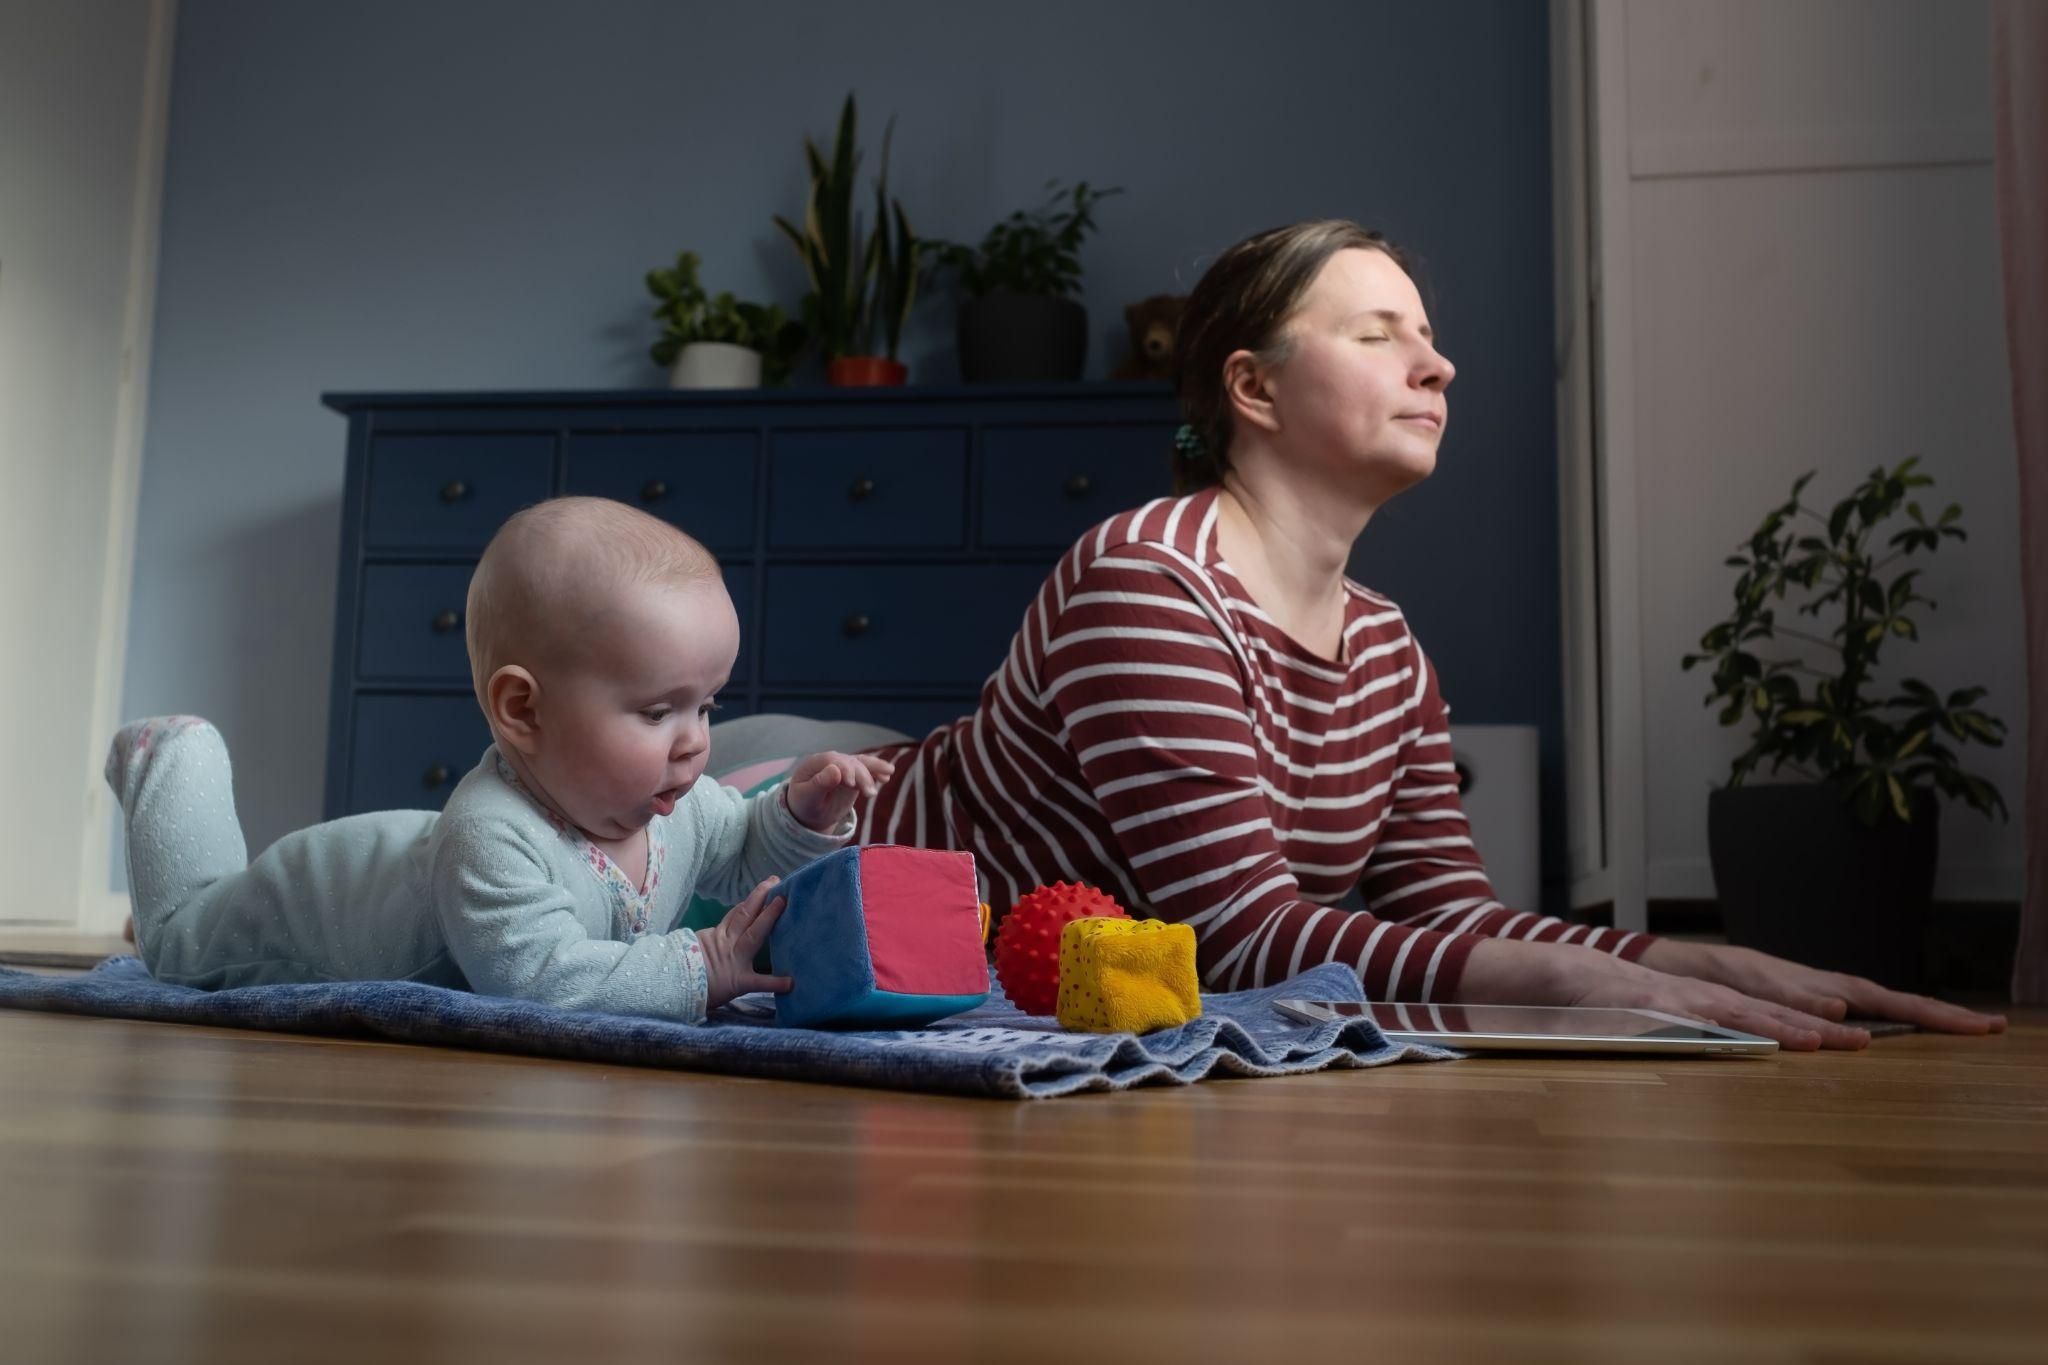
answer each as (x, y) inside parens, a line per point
(494, 894)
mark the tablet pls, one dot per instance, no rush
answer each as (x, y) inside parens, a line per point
(1536, 1028)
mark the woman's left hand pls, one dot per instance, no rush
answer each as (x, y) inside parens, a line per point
(1831, 995)
(823, 788)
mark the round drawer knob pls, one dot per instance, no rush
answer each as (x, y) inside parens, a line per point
(860, 488)
(855, 625)
(1078, 486)
(446, 620)
(455, 490)
(655, 491)
(436, 776)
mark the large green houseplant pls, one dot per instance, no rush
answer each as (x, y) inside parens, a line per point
(1837, 867)
(1022, 319)
(717, 341)
(862, 284)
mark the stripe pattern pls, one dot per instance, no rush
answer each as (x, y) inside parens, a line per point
(1152, 732)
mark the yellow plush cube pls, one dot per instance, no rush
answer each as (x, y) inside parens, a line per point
(1127, 976)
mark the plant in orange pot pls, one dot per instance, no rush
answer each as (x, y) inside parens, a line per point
(862, 289)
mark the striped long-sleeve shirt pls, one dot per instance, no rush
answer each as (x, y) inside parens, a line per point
(1153, 733)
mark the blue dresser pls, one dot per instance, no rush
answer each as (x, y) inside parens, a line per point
(881, 545)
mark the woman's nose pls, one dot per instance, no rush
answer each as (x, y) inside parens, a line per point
(1436, 372)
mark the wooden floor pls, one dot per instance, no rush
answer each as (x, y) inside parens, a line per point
(181, 1194)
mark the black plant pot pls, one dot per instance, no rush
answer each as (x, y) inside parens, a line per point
(1798, 875)
(1022, 338)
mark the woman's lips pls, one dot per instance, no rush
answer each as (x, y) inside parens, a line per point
(1428, 418)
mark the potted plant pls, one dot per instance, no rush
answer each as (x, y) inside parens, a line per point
(1837, 869)
(717, 342)
(859, 288)
(1021, 320)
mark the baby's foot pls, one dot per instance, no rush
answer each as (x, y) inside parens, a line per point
(133, 742)
(176, 790)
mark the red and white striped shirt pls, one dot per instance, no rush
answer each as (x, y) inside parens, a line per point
(1155, 734)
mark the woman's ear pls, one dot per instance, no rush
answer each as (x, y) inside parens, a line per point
(512, 706)
(1244, 384)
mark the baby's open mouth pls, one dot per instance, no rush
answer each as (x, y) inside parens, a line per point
(665, 802)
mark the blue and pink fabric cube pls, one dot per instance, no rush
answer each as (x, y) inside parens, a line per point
(880, 936)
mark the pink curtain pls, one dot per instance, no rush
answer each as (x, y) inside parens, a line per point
(2019, 47)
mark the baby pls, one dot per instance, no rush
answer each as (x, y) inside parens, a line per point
(598, 640)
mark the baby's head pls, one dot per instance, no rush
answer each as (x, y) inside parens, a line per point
(598, 639)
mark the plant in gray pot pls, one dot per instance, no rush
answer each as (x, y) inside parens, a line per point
(1021, 321)
(1837, 868)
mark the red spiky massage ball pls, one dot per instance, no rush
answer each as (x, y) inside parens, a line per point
(1028, 941)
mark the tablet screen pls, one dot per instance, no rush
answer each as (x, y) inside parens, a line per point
(1541, 1020)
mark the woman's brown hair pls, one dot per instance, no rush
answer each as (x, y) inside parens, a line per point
(1242, 303)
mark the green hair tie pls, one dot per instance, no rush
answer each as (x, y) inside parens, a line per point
(1187, 443)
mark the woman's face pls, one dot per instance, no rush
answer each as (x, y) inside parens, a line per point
(1361, 394)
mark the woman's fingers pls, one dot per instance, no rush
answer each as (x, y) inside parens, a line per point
(1924, 1012)
(1794, 1029)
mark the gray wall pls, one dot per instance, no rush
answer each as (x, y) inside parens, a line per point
(461, 194)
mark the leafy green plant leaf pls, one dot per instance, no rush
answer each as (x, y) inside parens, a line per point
(1814, 700)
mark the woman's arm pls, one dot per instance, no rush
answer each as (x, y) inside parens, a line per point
(1425, 869)
(1148, 688)
(1511, 972)
(1827, 995)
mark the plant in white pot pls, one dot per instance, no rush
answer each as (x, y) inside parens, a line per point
(1837, 869)
(1022, 320)
(717, 342)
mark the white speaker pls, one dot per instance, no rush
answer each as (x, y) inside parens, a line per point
(1497, 772)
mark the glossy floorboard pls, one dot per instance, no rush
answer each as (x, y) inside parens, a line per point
(177, 1194)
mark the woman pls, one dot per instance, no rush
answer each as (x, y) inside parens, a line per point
(1203, 716)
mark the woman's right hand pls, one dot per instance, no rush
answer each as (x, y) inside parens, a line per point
(1512, 972)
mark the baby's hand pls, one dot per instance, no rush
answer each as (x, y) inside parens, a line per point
(731, 945)
(823, 788)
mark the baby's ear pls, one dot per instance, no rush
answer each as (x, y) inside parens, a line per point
(512, 706)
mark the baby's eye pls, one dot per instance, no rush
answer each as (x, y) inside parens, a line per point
(655, 715)
(708, 707)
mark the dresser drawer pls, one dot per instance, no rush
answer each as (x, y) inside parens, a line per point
(739, 585)
(407, 753)
(932, 626)
(701, 481)
(452, 492)
(1045, 485)
(840, 489)
(412, 622)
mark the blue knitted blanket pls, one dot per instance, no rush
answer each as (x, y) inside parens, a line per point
(995, 1051)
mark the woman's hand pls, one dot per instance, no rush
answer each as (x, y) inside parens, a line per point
(731, 945)
(823, 788)
(1830, 995)
(1511, 972)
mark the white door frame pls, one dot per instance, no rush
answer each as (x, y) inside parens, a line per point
(1598, 509)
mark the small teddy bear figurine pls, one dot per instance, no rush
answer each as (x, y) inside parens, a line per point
(1153, 323)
